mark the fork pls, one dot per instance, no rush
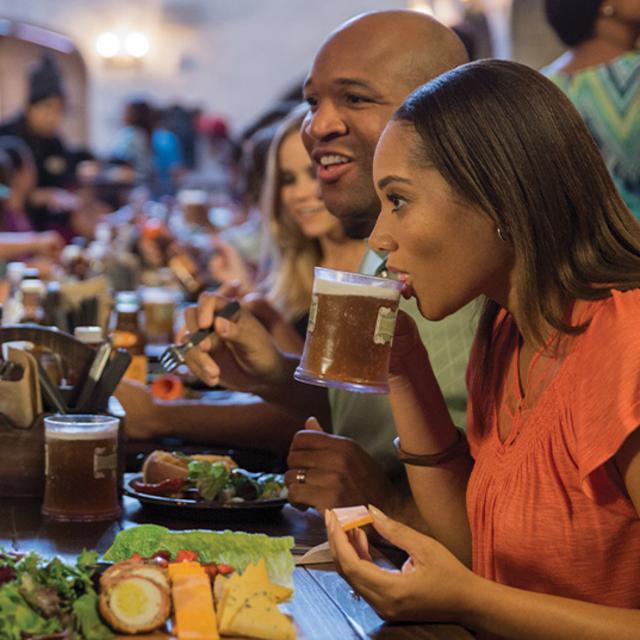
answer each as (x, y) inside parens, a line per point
(174, 355)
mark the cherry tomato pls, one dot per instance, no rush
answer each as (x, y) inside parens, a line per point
(136, 557)
(162, 553)
(225, 569)
(185, 555)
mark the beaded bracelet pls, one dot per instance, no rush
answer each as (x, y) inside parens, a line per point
(458, 448)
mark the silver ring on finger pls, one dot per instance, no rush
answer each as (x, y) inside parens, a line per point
(301, 475)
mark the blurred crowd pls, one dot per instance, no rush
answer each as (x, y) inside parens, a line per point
(177, 201)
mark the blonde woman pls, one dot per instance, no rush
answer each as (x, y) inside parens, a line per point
(299, 234)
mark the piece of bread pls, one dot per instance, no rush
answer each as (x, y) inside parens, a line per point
(163, 465)
(160, 465)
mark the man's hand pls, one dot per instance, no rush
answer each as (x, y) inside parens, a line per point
(337, 472)
(143, 420)
(242, 354)
(283, 333)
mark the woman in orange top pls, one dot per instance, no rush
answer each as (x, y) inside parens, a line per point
(491, 185)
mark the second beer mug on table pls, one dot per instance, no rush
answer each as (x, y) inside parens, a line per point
(350, 331)
(81, 476)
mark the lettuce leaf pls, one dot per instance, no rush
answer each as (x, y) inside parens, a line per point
(16, 616)
(209, 477)
(88, 619)
(234, 548)
(144, 539)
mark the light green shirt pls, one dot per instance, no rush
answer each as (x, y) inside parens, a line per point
(367, 418)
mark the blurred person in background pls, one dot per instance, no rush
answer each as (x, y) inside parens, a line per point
(246, 239)
(181, 121)
(601, 75)
(168, 159)
(217, 157)
(133, 141)
(17, 180)
(50, 203)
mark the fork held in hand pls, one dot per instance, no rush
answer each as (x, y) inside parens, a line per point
(174, 355)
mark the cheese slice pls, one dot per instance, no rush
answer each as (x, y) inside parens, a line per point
(259, 617)
(353, 517)
(248, 606)
(184, 568)
(195, 617)
(232, 598)
(256, 574)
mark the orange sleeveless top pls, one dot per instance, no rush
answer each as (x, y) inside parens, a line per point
(547, 508)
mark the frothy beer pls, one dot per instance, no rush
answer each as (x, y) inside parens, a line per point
(81, 469)
(350, 331)
(159, 306)
(195, 206)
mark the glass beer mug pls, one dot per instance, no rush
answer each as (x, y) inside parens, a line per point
(351, 325)
(81, 460)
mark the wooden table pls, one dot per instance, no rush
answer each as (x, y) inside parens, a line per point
(324, 606)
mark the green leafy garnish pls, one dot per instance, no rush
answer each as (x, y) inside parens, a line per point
(208, 477)
(88, 621)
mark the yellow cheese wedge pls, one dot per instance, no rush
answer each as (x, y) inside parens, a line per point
(353, 517)
(259, 617)
(195, 617)
(248, 606)
(257, 574)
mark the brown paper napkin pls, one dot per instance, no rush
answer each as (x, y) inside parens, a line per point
(21, 401)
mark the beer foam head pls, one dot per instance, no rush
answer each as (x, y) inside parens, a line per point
(157, 295)
(90, 432)
(80, 427)
(353, 287)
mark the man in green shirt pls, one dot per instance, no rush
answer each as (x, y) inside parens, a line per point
(361, 74)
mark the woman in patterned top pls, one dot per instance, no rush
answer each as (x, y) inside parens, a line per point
(601, 75)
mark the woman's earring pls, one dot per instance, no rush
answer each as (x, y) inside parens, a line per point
(500, 234)
(608, 10)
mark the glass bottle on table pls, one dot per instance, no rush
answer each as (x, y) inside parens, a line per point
(12, 308)
(93, 337)
(33, 293)
(128, 335)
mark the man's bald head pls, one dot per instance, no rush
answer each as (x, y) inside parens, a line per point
(360, 76)
(415, 44)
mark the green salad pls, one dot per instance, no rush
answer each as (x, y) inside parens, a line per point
(214, 481)
(49, 598)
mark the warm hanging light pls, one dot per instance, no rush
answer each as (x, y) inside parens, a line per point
(136, 44)
(108, 45)
(122, 49)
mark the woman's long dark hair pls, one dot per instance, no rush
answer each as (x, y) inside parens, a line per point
(511, 144)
